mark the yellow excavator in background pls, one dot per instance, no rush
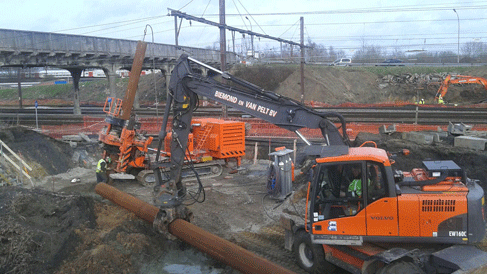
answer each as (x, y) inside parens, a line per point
(457, 79)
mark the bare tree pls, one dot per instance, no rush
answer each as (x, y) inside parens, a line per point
(473, 50)
(316, 52)
(369, 54)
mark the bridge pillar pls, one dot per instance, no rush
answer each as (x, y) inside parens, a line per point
(76, 74)
(167, 76)
(111, 74)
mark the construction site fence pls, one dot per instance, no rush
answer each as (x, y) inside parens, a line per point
(254, 127)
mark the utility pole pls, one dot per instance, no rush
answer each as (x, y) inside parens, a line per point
(302, 59)
(223, 47)
(176, 33)
(19, 85)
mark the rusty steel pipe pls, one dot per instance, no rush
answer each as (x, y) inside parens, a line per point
(128, 99)
(218, 248)
(140, 208)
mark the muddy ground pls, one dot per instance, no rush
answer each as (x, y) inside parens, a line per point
(62, 226)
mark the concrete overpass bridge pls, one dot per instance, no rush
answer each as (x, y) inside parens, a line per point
(76, 52)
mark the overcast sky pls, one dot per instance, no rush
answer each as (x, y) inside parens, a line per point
(345, 25)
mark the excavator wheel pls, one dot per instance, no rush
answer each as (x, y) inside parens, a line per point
(401, 267)
(310, 257)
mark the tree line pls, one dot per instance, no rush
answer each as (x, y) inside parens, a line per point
(470, 52)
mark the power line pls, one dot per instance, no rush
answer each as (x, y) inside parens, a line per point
(376, 22)
(241, 17)
(251, 17)
(288, 28)
(372, 10)
(113, 23)
(185, 5)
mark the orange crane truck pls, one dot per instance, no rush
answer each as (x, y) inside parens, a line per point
(362, 215)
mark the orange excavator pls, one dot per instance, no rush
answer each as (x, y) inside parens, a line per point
(361, 214)
(457, 79)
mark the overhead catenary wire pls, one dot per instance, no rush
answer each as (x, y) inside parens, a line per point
(280, 36)
(241, 16)
(185, 5)
(408, 8)
(257, 23)
(203, 14)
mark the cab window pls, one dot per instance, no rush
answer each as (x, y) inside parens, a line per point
(339, 191)
(376, 187)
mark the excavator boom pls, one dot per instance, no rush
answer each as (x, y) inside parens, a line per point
(458, 79)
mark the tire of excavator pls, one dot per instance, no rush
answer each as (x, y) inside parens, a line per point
(310, 257)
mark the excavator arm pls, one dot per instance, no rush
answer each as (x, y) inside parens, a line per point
(458, 79)
(184, 88)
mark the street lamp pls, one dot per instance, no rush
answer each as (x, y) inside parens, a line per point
(458, 54)
(251, 36)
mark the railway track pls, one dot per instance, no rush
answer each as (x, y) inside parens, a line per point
(407, 114)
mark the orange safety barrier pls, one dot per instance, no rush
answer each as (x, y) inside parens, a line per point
(255, 128)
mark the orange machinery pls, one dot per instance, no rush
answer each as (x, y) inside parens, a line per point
(213, 138)
(119, 137)
(458, 79)
(413, 222)
(361, 214)
(123, 143)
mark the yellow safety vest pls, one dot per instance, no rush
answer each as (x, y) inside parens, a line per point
(98, 166)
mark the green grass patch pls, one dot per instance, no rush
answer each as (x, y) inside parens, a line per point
(38, 92)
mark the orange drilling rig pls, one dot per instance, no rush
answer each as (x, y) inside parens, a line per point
(212, 140)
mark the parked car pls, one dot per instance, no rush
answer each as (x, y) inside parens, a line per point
(342, 62)
(391, 62)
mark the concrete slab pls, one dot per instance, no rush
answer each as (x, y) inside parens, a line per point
(387, 130)
(72, 138)
(419, 137)
(470, 142)
(86, 138)
(458, 129)
(122, 176)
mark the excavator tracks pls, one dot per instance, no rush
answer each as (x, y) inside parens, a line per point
(205, 171)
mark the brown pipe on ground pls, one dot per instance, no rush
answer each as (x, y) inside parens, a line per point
(140, 208)
(218, 248)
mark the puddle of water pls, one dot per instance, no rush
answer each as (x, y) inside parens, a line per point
(179, 261)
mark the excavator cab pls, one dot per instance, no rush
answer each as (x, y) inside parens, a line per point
(341, 201)
(366, 218)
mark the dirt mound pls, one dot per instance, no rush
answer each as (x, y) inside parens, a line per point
(332, 86)
(38, 228)
(119, 243)
(335, 86)
(47, 155)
